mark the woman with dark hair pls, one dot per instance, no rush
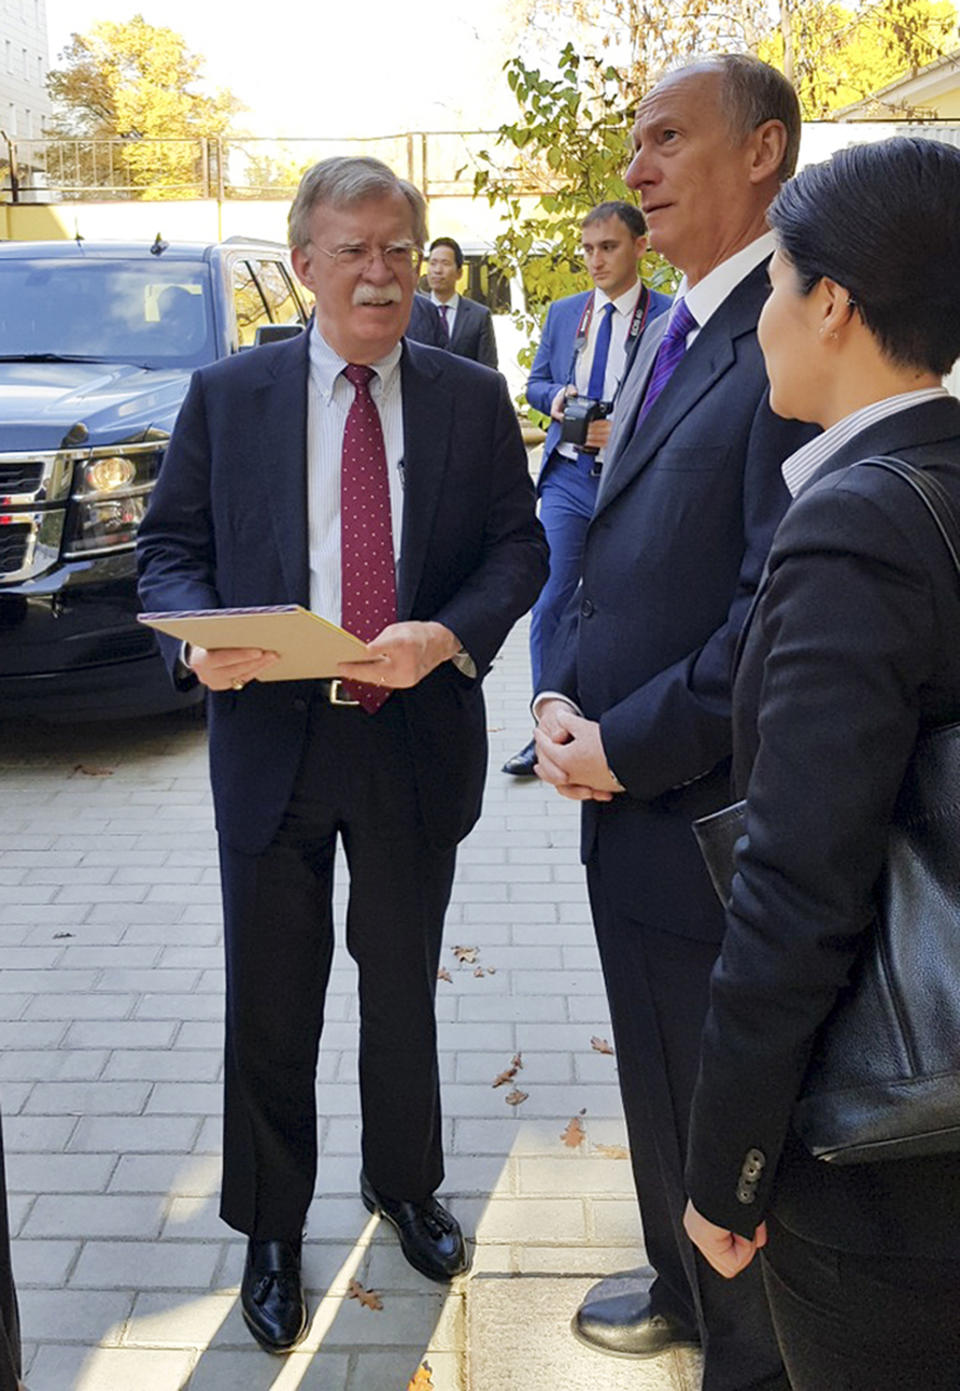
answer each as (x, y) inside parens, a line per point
(9, 1319)
(852, 649)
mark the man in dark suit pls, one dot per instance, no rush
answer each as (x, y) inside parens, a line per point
(384, 485)
(466, 327)
(589, 341)
(634, 708)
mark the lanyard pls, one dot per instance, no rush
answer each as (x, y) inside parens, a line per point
(637, 324)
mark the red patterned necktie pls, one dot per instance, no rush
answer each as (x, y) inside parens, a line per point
(367, 570)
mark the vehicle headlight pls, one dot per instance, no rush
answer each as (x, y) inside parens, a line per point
(110, 497)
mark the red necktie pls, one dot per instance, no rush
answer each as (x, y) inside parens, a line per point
(368, 573)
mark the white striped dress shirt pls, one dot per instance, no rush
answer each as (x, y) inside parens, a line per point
(801, 466)
(329, 398)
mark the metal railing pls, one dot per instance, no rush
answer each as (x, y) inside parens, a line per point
(440, 163)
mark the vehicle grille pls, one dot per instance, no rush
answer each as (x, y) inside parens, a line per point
(13, 548)
(20, 477)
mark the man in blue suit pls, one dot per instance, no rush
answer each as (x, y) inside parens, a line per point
(588, 343)
(634, 706)
(383, 485)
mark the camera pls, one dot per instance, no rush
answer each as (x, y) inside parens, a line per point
(579, 413)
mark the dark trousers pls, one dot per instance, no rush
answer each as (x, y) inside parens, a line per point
(10, 1365)
(356, 780)
(568, 494)
(862, 1323)
(657, 986)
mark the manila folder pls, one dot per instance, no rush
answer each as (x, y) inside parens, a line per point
(309, 646)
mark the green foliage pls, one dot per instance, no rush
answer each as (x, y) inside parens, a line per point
(565, 153)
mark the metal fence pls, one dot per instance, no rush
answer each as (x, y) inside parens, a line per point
(441, 163)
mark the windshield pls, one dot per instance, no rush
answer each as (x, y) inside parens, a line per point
(151, 313)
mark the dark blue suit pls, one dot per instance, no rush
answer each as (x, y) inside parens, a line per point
(684, 518)
(227, 526)
(472, 336)
(567, 489)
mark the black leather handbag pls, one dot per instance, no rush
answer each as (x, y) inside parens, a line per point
(884, 1078)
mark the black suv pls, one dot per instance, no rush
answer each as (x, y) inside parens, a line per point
(97, 344)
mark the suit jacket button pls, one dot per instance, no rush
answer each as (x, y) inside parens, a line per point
(299, 703)
(586, 608)
(745, 1194)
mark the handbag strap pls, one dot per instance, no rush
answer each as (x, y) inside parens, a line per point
(934, 497)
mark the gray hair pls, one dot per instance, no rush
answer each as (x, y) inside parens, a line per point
(343, 180)
(751, 93)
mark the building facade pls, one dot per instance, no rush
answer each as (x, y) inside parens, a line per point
(24, 103)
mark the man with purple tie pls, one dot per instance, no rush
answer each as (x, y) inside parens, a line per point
(384, 485)
(634, 702)
(466, 327)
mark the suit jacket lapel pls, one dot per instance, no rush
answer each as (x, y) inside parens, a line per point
(279, 408)
(427, 423)
(711, 354)
(460, 322)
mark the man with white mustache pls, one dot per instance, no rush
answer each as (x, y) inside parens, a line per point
(384, 485)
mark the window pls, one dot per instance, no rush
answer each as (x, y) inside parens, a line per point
(278, 293)
(250, 309)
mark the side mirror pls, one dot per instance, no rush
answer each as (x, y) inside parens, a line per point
(273, 333)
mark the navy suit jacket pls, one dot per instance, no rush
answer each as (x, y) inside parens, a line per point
(472, 336)
(227, 526)
(425, 325)
(686, 511)
(850, 649)
(555, 362)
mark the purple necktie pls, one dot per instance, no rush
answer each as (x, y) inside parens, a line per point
(673, 345)
(367, 570)
(445, 322)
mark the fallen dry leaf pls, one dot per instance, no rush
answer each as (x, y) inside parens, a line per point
(515, 1097)
(368, 1298)
(574, 1133)
(495, 728)
(422, 1380)
(517, 1060)
(89, 770)
(612, 1151)
(600, 1045)
(479, 971)
(444, 974)
(506, 1076)
(466, 955)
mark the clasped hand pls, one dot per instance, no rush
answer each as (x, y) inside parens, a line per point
(728, 1252)
(570, 755)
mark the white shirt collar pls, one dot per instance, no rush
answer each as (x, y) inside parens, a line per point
(800, 467)
(624, 304)
(450, 303)
(706, 297)
(326, 365)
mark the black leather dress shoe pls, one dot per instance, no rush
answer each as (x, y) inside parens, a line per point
(271, 1295)
(521, 765)
(625, 1326)
(430, 1238)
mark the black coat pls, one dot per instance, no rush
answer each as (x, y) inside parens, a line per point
(853, 646)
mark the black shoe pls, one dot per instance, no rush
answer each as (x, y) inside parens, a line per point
(430, 1238)
(625, 1325)
(521, 765)
(271, 1295)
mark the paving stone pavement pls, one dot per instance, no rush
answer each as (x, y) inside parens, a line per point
(110, 1033)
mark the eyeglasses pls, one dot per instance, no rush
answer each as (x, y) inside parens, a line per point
(398, 256)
